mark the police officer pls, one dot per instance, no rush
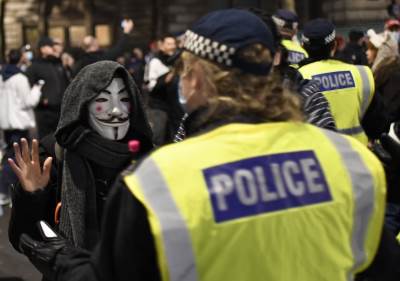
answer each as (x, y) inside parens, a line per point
(287, 23)
(348, 88)
(253, 194)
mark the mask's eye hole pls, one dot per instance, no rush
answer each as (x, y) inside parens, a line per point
(125, 100)
(101, 100)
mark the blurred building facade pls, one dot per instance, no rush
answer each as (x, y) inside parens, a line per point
(71, 20)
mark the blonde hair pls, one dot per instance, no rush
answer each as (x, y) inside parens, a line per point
(239, 93)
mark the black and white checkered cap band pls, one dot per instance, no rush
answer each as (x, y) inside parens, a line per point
(208, 49)
(328, 39)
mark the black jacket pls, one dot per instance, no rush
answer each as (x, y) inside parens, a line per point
(164, 96)
(353, 54)
(52, 72)
(111, 54)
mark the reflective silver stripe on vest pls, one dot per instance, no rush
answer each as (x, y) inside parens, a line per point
(352, 131)
(176, 238)
(363, 192)
(366, 88)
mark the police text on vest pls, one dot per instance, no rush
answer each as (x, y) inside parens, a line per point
(295, 57)
(335, 80)
(266, 184)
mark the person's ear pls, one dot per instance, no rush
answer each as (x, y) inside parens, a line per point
(334, 48)
(197, 78)
(277, 58)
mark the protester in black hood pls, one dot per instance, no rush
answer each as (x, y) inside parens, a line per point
(90, 150)
(48, 67)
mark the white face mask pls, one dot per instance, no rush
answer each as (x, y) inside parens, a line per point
(109, 111)
(184, 101)
(181, 97)
(29, 55)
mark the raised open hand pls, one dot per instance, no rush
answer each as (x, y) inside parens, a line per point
(27, 168)
(128, 26)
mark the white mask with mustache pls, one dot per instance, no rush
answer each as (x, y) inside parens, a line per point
(109, 111)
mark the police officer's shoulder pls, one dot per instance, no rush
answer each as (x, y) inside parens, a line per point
(130, 169)
(179, 153)
(177, 148)
(307, 63)
(135, 163)
(156, 153)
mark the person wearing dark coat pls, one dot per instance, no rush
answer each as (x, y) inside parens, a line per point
(93, 53)
(354, 52)
(393, 9)
(48, 67)
(89, 151)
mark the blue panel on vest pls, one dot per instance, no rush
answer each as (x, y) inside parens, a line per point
(265, 184)
(335, 80)
(295, 57)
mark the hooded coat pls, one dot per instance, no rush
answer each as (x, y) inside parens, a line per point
(87, 163)
(91, 161)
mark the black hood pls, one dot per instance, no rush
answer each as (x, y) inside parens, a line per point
(9, 70)
(87, 84)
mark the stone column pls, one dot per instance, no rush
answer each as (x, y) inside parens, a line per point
(16, 13)
(347, 12)
(183, 13)
(2, 35)
(289, 5)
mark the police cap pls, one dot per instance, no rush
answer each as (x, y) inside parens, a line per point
(319, 32)
(285, 19)
(220, 35)
(45, 41)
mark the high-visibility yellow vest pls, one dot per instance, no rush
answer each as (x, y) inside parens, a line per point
(278, 201)
(296, 53)
(349, 90)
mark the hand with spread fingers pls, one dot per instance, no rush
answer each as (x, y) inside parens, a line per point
(27, 166)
